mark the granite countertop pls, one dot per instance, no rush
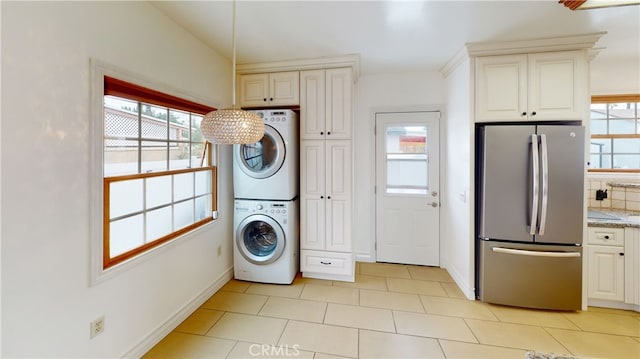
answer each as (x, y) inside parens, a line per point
(613, 218)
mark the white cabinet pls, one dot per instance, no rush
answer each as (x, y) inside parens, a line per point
(532, 87)
(606, 264)
(269, 90)
(325, 209)
(326, 104)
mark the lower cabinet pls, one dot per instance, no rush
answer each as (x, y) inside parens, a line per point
(606, 272)
(325, 210)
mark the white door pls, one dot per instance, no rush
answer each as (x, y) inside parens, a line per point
(407, 188)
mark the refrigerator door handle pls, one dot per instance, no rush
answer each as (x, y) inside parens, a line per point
(544, 159)
(523, 252)
(535, 179)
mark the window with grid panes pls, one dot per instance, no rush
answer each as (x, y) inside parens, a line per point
(615, 134)
(159, 179)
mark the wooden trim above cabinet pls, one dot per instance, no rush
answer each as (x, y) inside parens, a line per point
(615, 98)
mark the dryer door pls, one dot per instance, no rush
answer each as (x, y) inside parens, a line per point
(260, 239)
(263, 158)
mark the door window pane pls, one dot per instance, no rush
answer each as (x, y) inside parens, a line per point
(406, 160)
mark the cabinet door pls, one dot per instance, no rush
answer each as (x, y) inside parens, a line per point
(312, 195)
(338, 97)
(284, 89)
(338, 179)
(501, 87)
(557, 85)
(606, 272)
(312, 104)
(253, 90)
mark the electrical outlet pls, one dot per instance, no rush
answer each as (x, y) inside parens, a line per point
(96, 327)
(219, 250)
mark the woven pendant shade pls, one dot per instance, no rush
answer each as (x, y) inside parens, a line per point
(232, 126)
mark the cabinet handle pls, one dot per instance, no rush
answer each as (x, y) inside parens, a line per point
(533, 113)
(523, 114)
(325, 263)
(622, 254)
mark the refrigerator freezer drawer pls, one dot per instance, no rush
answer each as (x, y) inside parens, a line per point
(532, 276)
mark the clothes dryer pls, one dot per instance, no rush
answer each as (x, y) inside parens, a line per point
(268, 169)
(266, 241)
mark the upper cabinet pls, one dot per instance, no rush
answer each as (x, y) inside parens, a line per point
(532, 87)
(269, 89)
(326, 104)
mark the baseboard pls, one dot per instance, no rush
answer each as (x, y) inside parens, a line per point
(183, 313)
(464, 286)
(362, 257)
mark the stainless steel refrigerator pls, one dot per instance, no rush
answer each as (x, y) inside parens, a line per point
(529, 214)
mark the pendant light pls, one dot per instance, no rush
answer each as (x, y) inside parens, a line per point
(231, 125)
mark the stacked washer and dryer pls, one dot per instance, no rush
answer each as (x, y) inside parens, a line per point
(266, 216)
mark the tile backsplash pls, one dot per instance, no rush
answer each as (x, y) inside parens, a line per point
(622, 193)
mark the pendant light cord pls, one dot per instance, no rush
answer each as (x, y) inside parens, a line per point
(233, 67)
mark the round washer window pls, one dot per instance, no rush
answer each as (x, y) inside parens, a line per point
(260, 239)
(263, 158)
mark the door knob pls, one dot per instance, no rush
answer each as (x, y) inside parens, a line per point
(434, 204)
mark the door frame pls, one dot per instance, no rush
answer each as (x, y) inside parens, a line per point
(442, 124)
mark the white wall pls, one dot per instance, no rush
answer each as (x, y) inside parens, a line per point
(615, 77)
(47, 303)
(388, 91)
(457, 232)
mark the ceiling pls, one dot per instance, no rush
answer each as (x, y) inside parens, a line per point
(394, 36)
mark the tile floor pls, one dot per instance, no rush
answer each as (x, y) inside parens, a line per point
(391, 311)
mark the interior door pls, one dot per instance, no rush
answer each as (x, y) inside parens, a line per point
(407, 188)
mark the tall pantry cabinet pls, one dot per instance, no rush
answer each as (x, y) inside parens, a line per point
(326, 174)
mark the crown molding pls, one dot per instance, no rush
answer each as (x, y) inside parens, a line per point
(454, 62)
(574, 42)
(352, 61)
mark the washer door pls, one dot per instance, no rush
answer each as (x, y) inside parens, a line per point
(263, 158)
(260, 239)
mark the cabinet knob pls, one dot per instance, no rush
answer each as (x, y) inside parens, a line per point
(264, 99)
(321, 197)
(271, 99)
(606, 237)
(533, 113)
(523, 114)
(621, 254)
(321, 133)
(328, 133)
(328, 197)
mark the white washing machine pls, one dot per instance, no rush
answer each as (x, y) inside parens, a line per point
(268, 169)
(266, 241)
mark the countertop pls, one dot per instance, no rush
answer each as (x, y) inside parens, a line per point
(613, 218)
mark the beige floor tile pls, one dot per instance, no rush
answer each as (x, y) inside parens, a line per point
(430, 273)
(460, 350)
(249, 328)
(385, 270)
(328, 356)
(299, 279)
(456, 308)
(182, 345)
(387, 345)
(360, 317)
(516, 336)
(605, 323)
(630, 313)
(244, 350)
(594, 345)
(200, 321)
(330, 294)
(236, 286)
(452, 290)
(389, 300)
(433, 326)
(364, 281)
(298, 309)
(321, 338)
(542, 318)
(278, 290)
(424, 287)
(235, 302)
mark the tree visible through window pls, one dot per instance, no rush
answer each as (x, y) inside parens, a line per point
(159, 176)
(615, 134)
